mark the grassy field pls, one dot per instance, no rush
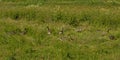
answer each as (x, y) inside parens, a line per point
(59, 29)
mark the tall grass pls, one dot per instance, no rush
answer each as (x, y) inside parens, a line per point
(90, 30)
(70, 2)
(100, 16)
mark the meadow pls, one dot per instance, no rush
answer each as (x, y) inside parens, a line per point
(59, 29)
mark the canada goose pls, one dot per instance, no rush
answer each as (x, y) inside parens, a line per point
(61, 31)
(25, 31)
(79, 30)
(112, 37)
(49, 32)
(16, 31)
(108, 30)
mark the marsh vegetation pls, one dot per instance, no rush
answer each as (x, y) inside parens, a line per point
(59, 29)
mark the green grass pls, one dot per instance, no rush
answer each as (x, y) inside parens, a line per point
(87, 30)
